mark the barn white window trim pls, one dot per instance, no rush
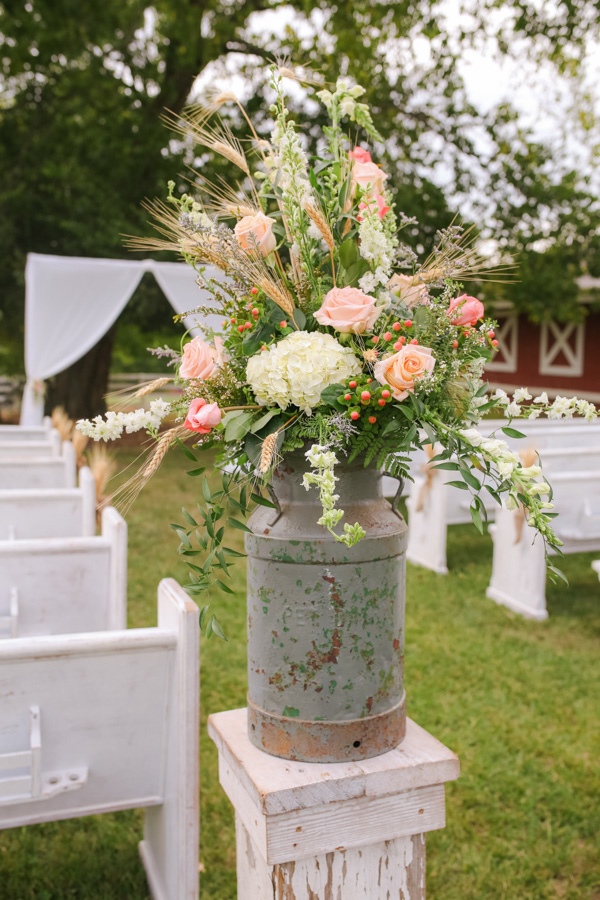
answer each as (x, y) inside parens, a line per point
(507, 335)
(556, 338)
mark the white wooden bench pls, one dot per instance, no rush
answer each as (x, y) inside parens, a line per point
(58, 512)
(99, 722)
(518, 571)
(47, 444)
(65, 585)
(18, 472)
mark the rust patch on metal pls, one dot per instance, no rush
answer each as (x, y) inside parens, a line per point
(341, 741)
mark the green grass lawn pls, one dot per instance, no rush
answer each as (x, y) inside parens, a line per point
(518, 701)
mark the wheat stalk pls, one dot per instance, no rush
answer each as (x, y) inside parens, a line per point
(161, 450)
(316, 216)
(267, 453)
(151, 386)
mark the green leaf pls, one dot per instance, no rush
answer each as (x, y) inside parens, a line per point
(458, 484)
(356, 271)
(234, 523)
(512, 432)
(216, 629)
(206, 491)
(186, 450)
(330, 395)
(185, 541)
(223, 586)
(348, 253)
(476, 519)
(557, 573)
(263, 420)
(195, 472)
(450, 466)
(236, 428)
(299, 318)
(471, 479)
(262, 501)
(190, 519)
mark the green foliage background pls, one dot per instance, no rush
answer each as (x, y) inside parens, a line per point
(82, 87)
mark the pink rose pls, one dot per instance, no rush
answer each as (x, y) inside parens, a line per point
(468, 310)
(202, 416)
(404, 287)
(374, 205)
(256, 233)
(359, 155)
(400, 371)
(368, 175)
(348, 310)
(200, 359)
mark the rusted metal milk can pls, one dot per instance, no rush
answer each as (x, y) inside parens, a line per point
(326, 623)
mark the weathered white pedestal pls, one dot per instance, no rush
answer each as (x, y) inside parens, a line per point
(315, 831)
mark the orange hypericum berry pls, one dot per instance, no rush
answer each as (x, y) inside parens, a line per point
(254, 291)
(381, 402)
(241, 328)
(352, 384)
(248, 325)
(408, 323)
(374, 339)
(347, 396)
(372, 419)
(355, 415)
(414, 341)
(365, 395)
(283, 323)
(491, 333)
(398, 345)
(495, 343)
(386, 394)
(255, 312)
(233, 321)
(387, 336)
(454, 345)
(396, 326)
(369, 380)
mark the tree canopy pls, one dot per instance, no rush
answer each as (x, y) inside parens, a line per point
(82, 88)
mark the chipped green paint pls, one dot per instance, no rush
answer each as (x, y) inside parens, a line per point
(329, 640)
(291, 712)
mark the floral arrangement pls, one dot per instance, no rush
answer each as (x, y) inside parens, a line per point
(335, 339)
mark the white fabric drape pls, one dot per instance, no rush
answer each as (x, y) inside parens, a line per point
(71, 302)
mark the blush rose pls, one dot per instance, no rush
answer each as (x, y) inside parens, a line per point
(405, 289)
(256, 233)
(199, 359)
(368, 175)
(359, 155)
(348, 310)
(400, 371)
(465, 310)
(374, 205)
(202, 416)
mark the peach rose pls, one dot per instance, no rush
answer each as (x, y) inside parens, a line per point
(199, 359)
(374, 205)
(359, 155)
(256, 233)
(400, 371)
(368, 175)
(467, 310)
(202, 416)
(405, 289)
(348, 310)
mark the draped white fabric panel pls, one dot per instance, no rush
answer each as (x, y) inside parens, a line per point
(71, 302)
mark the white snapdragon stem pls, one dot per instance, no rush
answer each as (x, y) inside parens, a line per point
(115, 423)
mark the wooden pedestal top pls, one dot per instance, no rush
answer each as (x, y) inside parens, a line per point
(278, 786)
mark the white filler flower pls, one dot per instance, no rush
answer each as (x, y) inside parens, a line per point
(297, 369)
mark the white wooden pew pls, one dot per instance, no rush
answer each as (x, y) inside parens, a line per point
(19, 472)
(518, 570)
(65, 585)
(58, 512)
(106, 721)
(22, 433)
(49, 445)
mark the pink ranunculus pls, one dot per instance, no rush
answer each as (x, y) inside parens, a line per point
(199, 359)
(368, 175)
(359, 155)
(348, 310)
(400, 371)
(256, 233)
(411, 294)
(374, 205)
(465, 310)
(202, 416)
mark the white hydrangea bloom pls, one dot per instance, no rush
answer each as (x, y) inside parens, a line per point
(296, 370)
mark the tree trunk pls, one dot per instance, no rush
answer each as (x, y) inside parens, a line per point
(81, 388)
